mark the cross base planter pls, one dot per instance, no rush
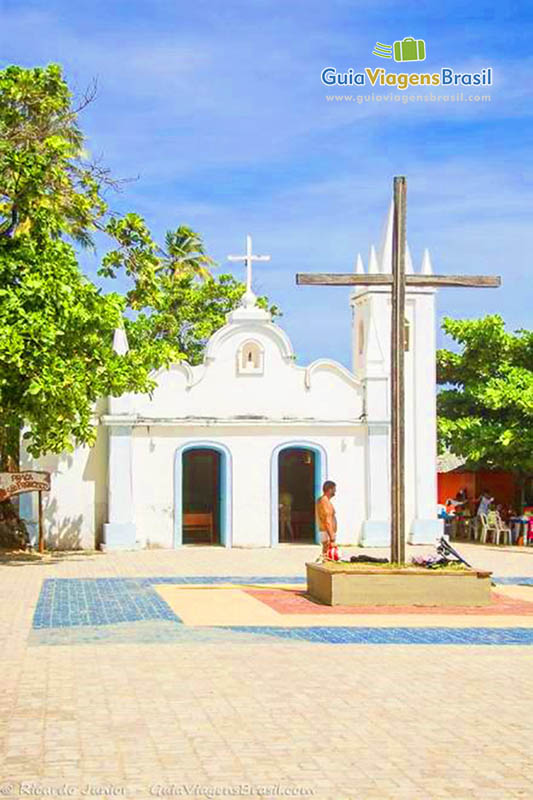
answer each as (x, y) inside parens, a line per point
(337, 584)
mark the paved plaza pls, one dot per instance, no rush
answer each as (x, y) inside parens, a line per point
(206, 672)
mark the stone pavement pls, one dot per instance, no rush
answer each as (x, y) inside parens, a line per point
(129, 702)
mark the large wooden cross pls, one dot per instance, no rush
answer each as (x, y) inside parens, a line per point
(397, 281)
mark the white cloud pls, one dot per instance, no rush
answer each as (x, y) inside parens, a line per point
(194, 100)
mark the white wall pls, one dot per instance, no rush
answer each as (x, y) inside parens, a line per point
(371, 337)
(282, 391)
(75, 508)
(250, 414)
(251, 449)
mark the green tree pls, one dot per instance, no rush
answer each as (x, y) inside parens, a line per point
(485, 411)
(56, 326)
(56, 356)
(46, 181)
(178, 304)
(188, 313)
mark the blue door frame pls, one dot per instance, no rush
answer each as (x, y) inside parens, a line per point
(321, 470)
(226, 490)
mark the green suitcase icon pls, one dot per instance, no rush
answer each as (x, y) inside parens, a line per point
(410, 49)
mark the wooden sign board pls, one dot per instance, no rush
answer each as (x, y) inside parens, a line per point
(12, 483)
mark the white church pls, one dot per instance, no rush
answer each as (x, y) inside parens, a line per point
(234, 452)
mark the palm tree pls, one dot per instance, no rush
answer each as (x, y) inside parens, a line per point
(185, 254)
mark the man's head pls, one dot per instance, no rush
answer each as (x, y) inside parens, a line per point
(329, 488)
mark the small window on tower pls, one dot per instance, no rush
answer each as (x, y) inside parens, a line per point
(250, 358)
(361, 337)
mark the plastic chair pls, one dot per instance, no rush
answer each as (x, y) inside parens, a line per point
(502, 530)
(488, 525)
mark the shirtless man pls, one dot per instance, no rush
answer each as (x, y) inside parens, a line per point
(325, 515)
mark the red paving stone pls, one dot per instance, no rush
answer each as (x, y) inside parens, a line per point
(295, 601)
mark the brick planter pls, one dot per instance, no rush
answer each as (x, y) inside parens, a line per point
(345, 585)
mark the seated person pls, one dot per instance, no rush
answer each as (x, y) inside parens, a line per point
(485, 502)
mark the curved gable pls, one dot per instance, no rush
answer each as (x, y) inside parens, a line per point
(252, 330)
(327, 365)
(270, 386)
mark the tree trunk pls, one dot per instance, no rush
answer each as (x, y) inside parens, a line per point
(9, 448)
(13, 531)
(521, 479)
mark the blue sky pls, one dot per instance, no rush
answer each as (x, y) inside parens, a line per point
(218, 110)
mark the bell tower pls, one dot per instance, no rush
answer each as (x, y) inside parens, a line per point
(371, 337)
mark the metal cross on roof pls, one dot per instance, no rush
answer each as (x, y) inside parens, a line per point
(248, 258)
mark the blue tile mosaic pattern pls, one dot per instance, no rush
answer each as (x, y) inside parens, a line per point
(359, 635)
(167, 632)
(126, 610)
(66, 602)
(142, 632)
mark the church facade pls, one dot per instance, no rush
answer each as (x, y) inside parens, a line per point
(234, 452)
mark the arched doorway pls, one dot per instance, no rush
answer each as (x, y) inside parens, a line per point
(202, 495)
(297, 479)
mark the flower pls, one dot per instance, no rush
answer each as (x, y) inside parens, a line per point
(429, 561)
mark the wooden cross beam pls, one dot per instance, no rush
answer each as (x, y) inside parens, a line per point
(398, 281)
(385, 279)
